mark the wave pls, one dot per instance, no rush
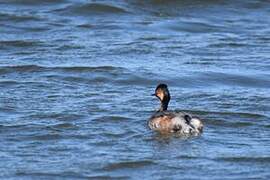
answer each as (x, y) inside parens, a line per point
(36, 68)
(123, 76)
(92, 8)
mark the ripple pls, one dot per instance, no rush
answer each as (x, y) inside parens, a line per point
(45, 175)
(265, 160)
(58, 116)
(128, 164)
(190, 26)
(101, 177)
(33, 2)
(229, 119)
(214, 78)
(63, 126)
(9, 82)
(47, 137)
(18, 18)
(69, 47)
(229, 44)
(224, 123)
(86, 26)
(195, 27)
(236, 114)
(112, 119)
(11, 127)
(20, 44)
(35, 29)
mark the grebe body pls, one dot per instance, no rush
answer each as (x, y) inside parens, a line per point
(165, 121)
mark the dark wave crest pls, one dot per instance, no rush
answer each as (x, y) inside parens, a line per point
(92, 9)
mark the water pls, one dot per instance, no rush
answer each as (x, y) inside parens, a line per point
(76, 79)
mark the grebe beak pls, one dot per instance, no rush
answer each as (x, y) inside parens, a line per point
(153, 94)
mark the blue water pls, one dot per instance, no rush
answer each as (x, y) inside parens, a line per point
(76, 79)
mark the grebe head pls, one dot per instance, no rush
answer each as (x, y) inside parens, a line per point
(163, 94)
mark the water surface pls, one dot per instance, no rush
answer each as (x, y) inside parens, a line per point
(76, 79)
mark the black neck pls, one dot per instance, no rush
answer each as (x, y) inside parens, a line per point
(165, 103)
(164, 106)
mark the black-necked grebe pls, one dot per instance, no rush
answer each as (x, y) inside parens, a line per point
(165, 121)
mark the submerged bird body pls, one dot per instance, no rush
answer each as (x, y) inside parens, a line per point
(165, 121)
(175, 122)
